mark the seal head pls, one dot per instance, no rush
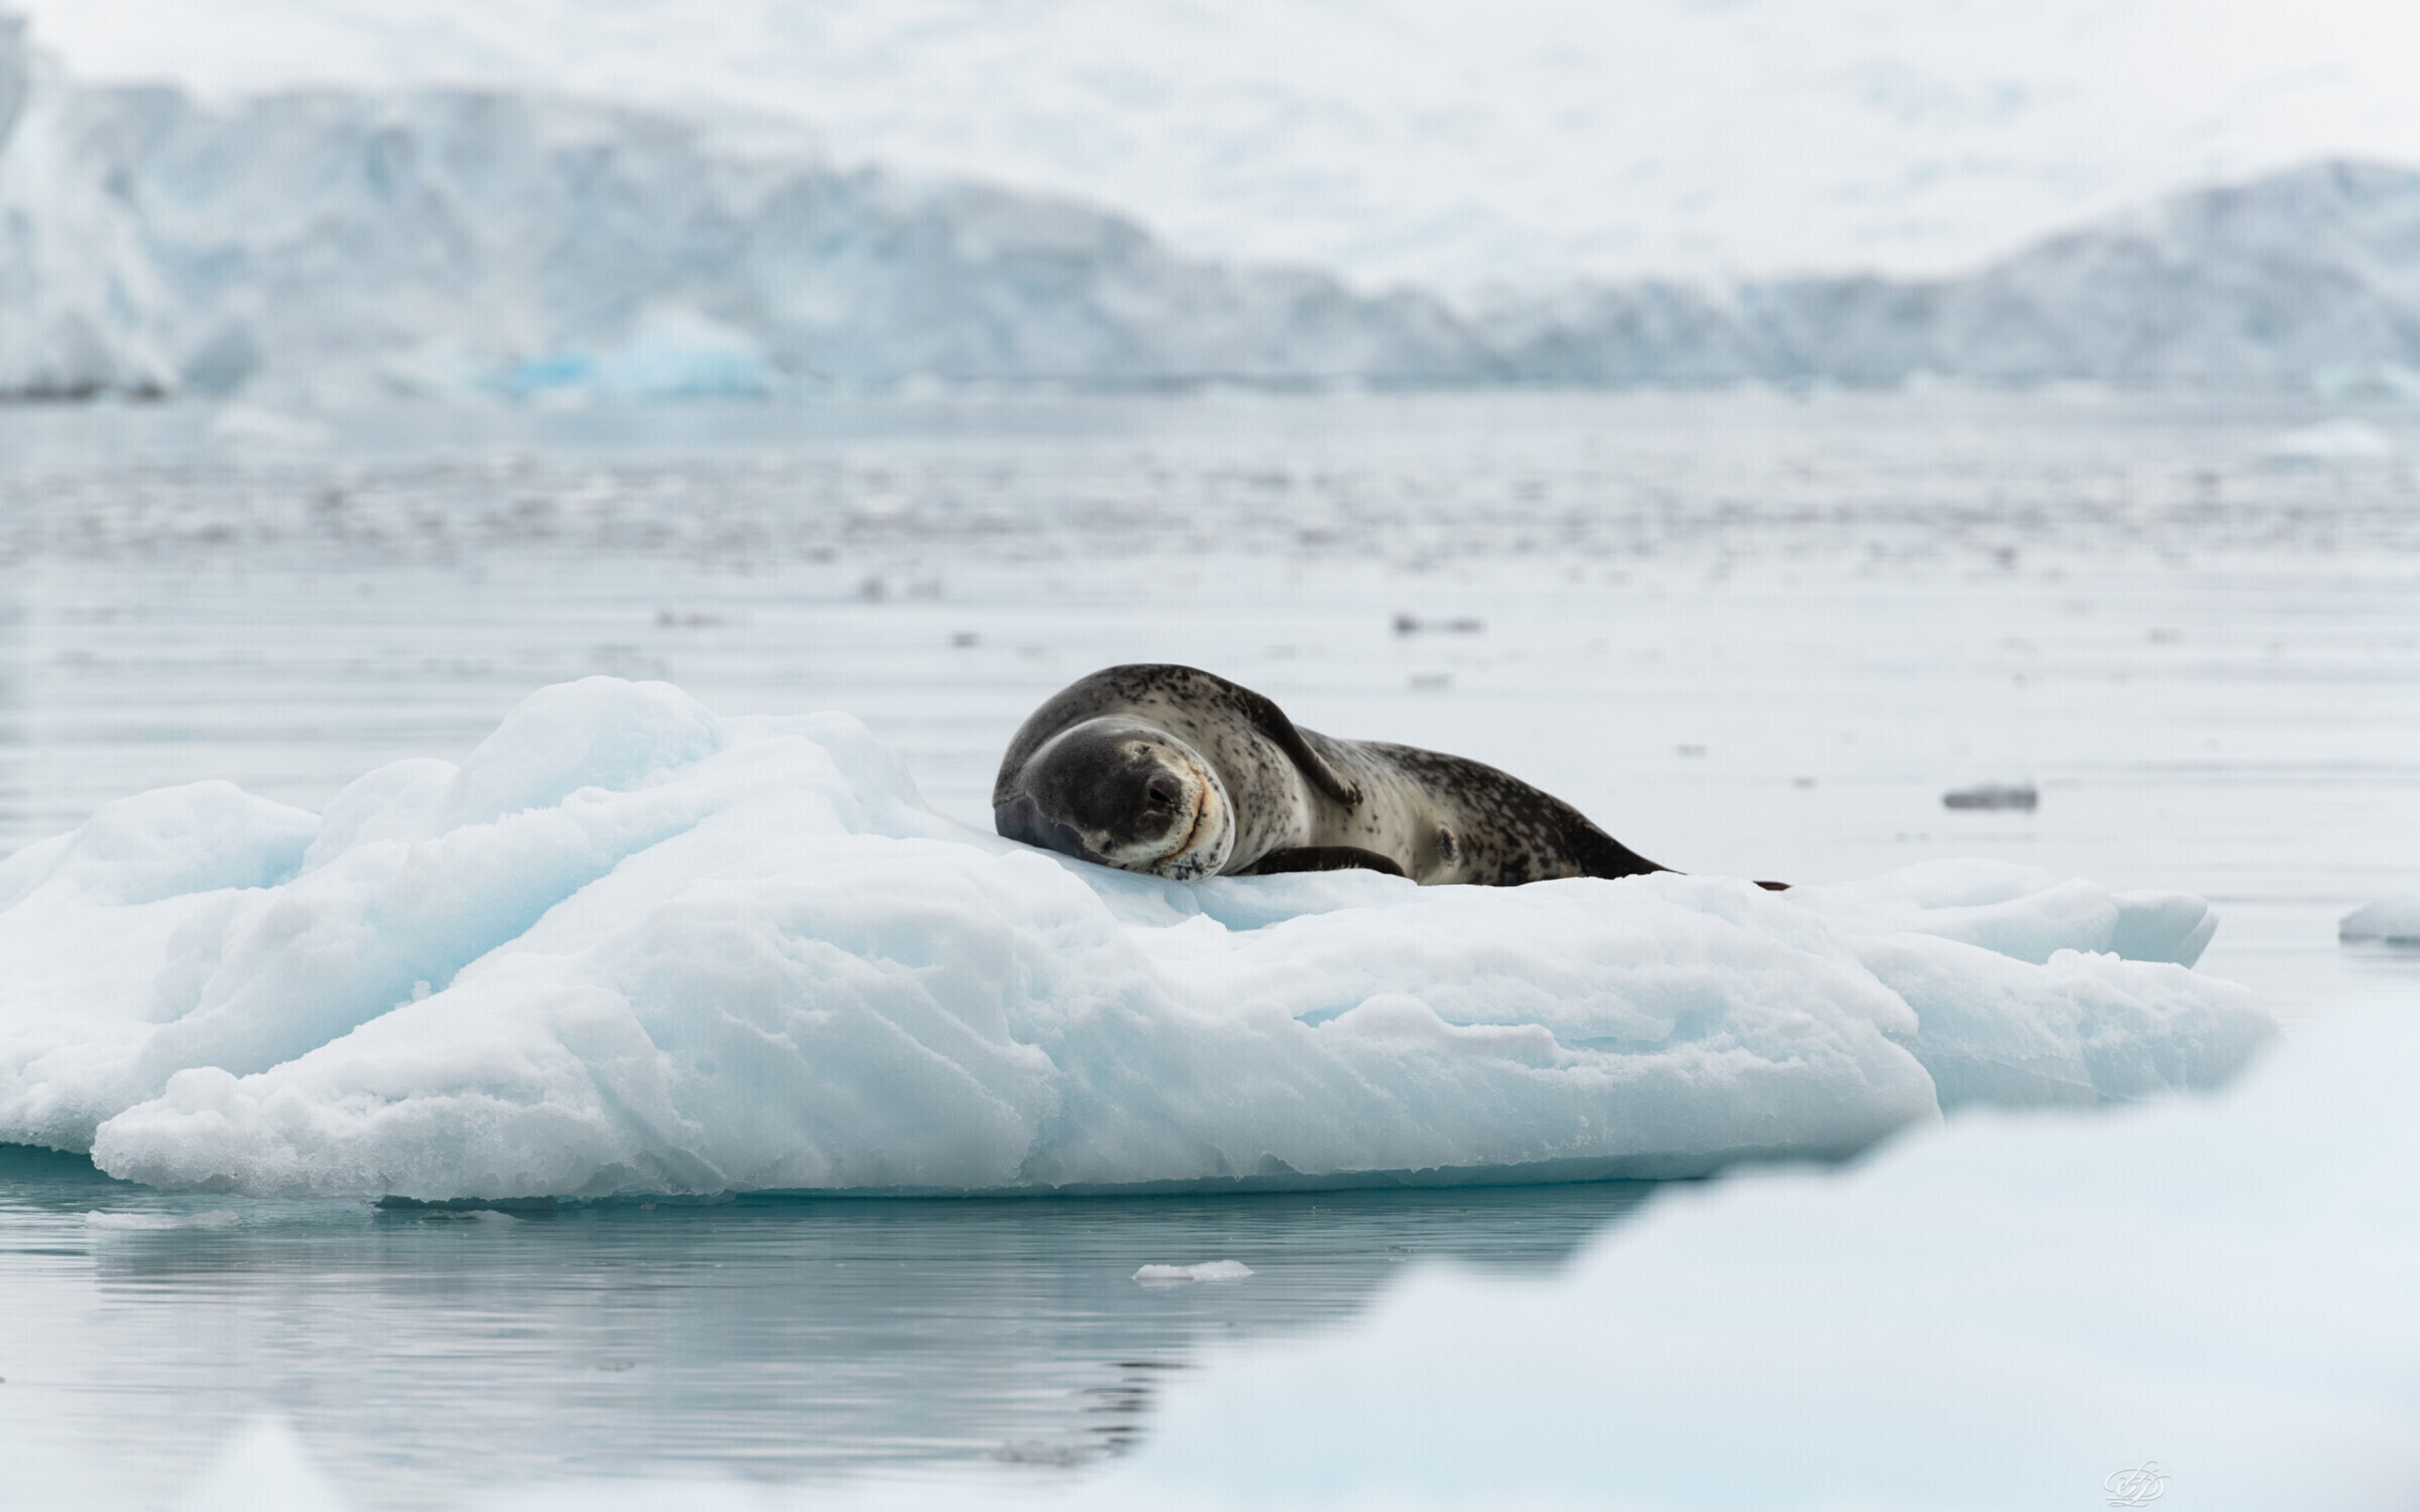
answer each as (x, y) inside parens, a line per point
(1125, 794)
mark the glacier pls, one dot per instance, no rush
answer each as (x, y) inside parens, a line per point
(336, 249)
(463, 244)
(629, 945)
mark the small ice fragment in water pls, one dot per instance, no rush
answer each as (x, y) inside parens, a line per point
(1992, 796)
(2389, 921)
(220, 1218)
(1213, 1270)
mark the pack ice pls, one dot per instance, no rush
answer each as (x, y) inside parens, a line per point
(629, 945)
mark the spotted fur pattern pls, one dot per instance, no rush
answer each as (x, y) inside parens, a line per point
(1306, 802)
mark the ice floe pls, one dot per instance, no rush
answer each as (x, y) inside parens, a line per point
(2393, 920)
(628, 945)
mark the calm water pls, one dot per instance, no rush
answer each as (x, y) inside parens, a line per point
(430, 1356)
(1749, 633)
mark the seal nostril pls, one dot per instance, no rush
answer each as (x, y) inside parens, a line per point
(1164, 789)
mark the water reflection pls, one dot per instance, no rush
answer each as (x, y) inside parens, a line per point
(428, 1354)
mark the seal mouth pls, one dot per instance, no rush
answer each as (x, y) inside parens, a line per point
(1187, 861)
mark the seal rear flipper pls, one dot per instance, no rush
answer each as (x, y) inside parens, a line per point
(1321, 858)
(1600, 855)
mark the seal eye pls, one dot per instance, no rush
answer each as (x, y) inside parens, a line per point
(1163, 790)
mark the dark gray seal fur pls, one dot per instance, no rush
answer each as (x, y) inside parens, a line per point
(1178, 772)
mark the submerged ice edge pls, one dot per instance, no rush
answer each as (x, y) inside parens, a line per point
(629, 945)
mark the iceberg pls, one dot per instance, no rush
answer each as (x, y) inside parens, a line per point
(631, 946)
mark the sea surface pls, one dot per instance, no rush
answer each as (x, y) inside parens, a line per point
(1749, 632)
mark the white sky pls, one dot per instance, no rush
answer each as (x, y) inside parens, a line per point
(1449, 141)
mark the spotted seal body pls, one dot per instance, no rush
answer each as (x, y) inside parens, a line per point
(1178, 772)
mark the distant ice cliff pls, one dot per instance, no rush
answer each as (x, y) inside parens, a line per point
(343, 247)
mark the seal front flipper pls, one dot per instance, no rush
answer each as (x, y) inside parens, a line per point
(1321, 858)
(1272, 721)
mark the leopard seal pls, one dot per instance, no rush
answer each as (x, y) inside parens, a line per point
(1180, 773)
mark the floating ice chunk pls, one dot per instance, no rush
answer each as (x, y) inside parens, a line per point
(628, 946)
(1211, 1270)
(2393, 920)
(1993, 796)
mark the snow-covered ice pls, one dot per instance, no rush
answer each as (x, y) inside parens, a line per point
(631, 946)
(2394, 920)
